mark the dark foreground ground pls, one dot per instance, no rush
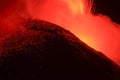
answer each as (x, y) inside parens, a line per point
(44, 51)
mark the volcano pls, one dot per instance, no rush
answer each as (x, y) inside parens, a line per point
(40, 50)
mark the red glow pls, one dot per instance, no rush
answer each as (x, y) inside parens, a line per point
(98, 32)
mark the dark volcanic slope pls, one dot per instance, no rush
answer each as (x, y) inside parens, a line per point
(41, 50)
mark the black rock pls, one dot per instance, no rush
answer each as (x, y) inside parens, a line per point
(44, 51)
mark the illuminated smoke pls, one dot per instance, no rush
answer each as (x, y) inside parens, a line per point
(12, 14)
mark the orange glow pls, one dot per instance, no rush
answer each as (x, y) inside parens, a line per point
(77, 6)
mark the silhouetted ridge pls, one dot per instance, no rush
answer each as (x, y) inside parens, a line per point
(44, 51)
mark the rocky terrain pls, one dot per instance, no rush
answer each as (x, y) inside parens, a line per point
(40, 50)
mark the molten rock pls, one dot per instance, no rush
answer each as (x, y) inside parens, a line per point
(44, 51)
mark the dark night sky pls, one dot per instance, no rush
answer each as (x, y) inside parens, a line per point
(110, 8)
